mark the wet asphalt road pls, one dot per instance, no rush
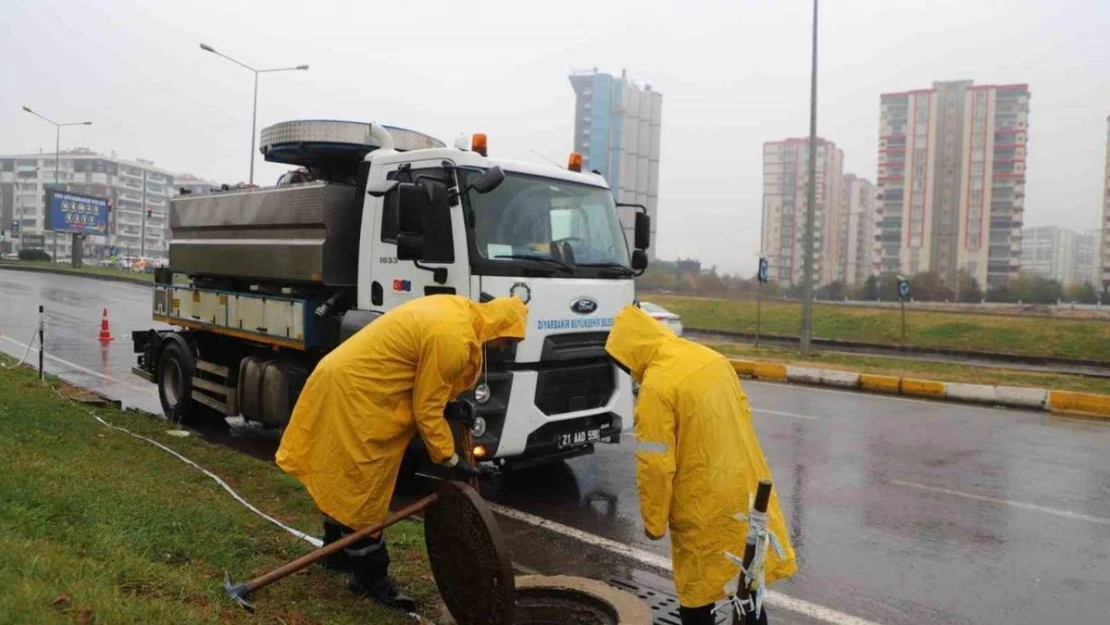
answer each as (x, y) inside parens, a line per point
(902, 512)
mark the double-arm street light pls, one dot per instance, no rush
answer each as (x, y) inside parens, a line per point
(254, 114)
(57, 160)
(57, 136)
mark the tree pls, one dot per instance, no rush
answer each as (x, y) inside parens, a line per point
(1046, 291)
(688, 283)
(868, 290)
(833, 290)
(927, 286)
(656, 279)
(1082, 293)
(967, 288)
(710, 282)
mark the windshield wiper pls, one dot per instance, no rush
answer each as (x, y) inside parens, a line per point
(623, 269)
(544, 259)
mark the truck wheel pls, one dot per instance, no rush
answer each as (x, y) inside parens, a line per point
(176, 367)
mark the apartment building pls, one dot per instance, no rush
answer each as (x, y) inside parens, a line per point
(951, 180)
(785, 197)
(139, 192)
(1104, 234)
(617, 129)
(855, 262)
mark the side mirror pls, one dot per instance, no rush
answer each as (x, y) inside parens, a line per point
(490, 180)
(643, 231)
(639, 260)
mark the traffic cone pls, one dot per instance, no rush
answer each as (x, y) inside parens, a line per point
(105, 331)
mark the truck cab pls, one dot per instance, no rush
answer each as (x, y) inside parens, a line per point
(400, 224)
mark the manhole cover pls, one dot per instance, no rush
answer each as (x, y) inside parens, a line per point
(663, 602)
(469, 560)
(559, 606)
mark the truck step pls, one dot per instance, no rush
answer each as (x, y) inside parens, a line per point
(214, 369)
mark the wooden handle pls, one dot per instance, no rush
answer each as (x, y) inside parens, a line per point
(325, 551)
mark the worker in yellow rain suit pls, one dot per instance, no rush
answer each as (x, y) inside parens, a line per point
(365, 400)
(698, 459)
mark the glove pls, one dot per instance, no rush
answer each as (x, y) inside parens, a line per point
(460, 411)
(461, 470)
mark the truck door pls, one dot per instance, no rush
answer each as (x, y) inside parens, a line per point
(396, 282)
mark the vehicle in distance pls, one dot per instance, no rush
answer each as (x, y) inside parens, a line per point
(664, 316)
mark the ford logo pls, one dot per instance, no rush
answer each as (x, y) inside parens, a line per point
(583, 305)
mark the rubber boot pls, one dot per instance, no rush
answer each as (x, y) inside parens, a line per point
(697, 616)
(333, 531)
(369, 559)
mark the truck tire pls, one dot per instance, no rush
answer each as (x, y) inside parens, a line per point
(176, 367)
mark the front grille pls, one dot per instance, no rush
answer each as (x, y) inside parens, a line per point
(570, 389)
(576, 346)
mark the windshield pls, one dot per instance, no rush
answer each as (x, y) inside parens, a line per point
(564, 227)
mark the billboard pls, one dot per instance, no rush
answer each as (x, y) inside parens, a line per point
(79, 214)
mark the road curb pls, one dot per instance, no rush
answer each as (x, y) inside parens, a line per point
(1072, 402)
(77, 274)
(1061, 402)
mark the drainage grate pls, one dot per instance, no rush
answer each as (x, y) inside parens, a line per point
(663, 603)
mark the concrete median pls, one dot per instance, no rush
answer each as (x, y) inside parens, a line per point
(803, 375)
(975, 393)
(879, 383)
(1079, 403)
(841, 379)
(744, 368)
(922, 388)
(769, 371)
(1021, 397)
(1088, 404)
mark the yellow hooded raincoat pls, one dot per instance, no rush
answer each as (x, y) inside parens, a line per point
(698, 459)
(365, 400)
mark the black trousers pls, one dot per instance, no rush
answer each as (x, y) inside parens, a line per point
(704, 616)
(367, 559)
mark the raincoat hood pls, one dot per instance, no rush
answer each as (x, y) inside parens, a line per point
(635, 339)
(504, 317)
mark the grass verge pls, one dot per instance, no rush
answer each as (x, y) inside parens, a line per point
(945, 372)
(1034, 336)
(99, 527)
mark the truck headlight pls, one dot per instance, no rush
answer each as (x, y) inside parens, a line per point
(479, 427)
(481, 393)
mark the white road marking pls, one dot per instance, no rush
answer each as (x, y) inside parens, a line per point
(657, 561)
(1067, 514)
(73, 365)
(785, 414)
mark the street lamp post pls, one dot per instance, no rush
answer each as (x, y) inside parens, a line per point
(807, 266)
(57, 162)
(254, 111)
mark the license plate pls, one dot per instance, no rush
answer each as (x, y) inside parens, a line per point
(574, 439)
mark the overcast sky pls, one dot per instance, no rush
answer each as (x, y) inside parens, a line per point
(733, 74)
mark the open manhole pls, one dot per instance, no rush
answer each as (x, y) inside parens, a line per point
(576, 601)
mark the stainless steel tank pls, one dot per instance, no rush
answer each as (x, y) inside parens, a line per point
(300, 234)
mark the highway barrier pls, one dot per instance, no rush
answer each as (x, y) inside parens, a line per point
(1063, 402)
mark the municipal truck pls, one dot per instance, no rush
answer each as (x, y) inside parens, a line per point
(263, 282)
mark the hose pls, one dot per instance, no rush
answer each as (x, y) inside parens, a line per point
(312, 540)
